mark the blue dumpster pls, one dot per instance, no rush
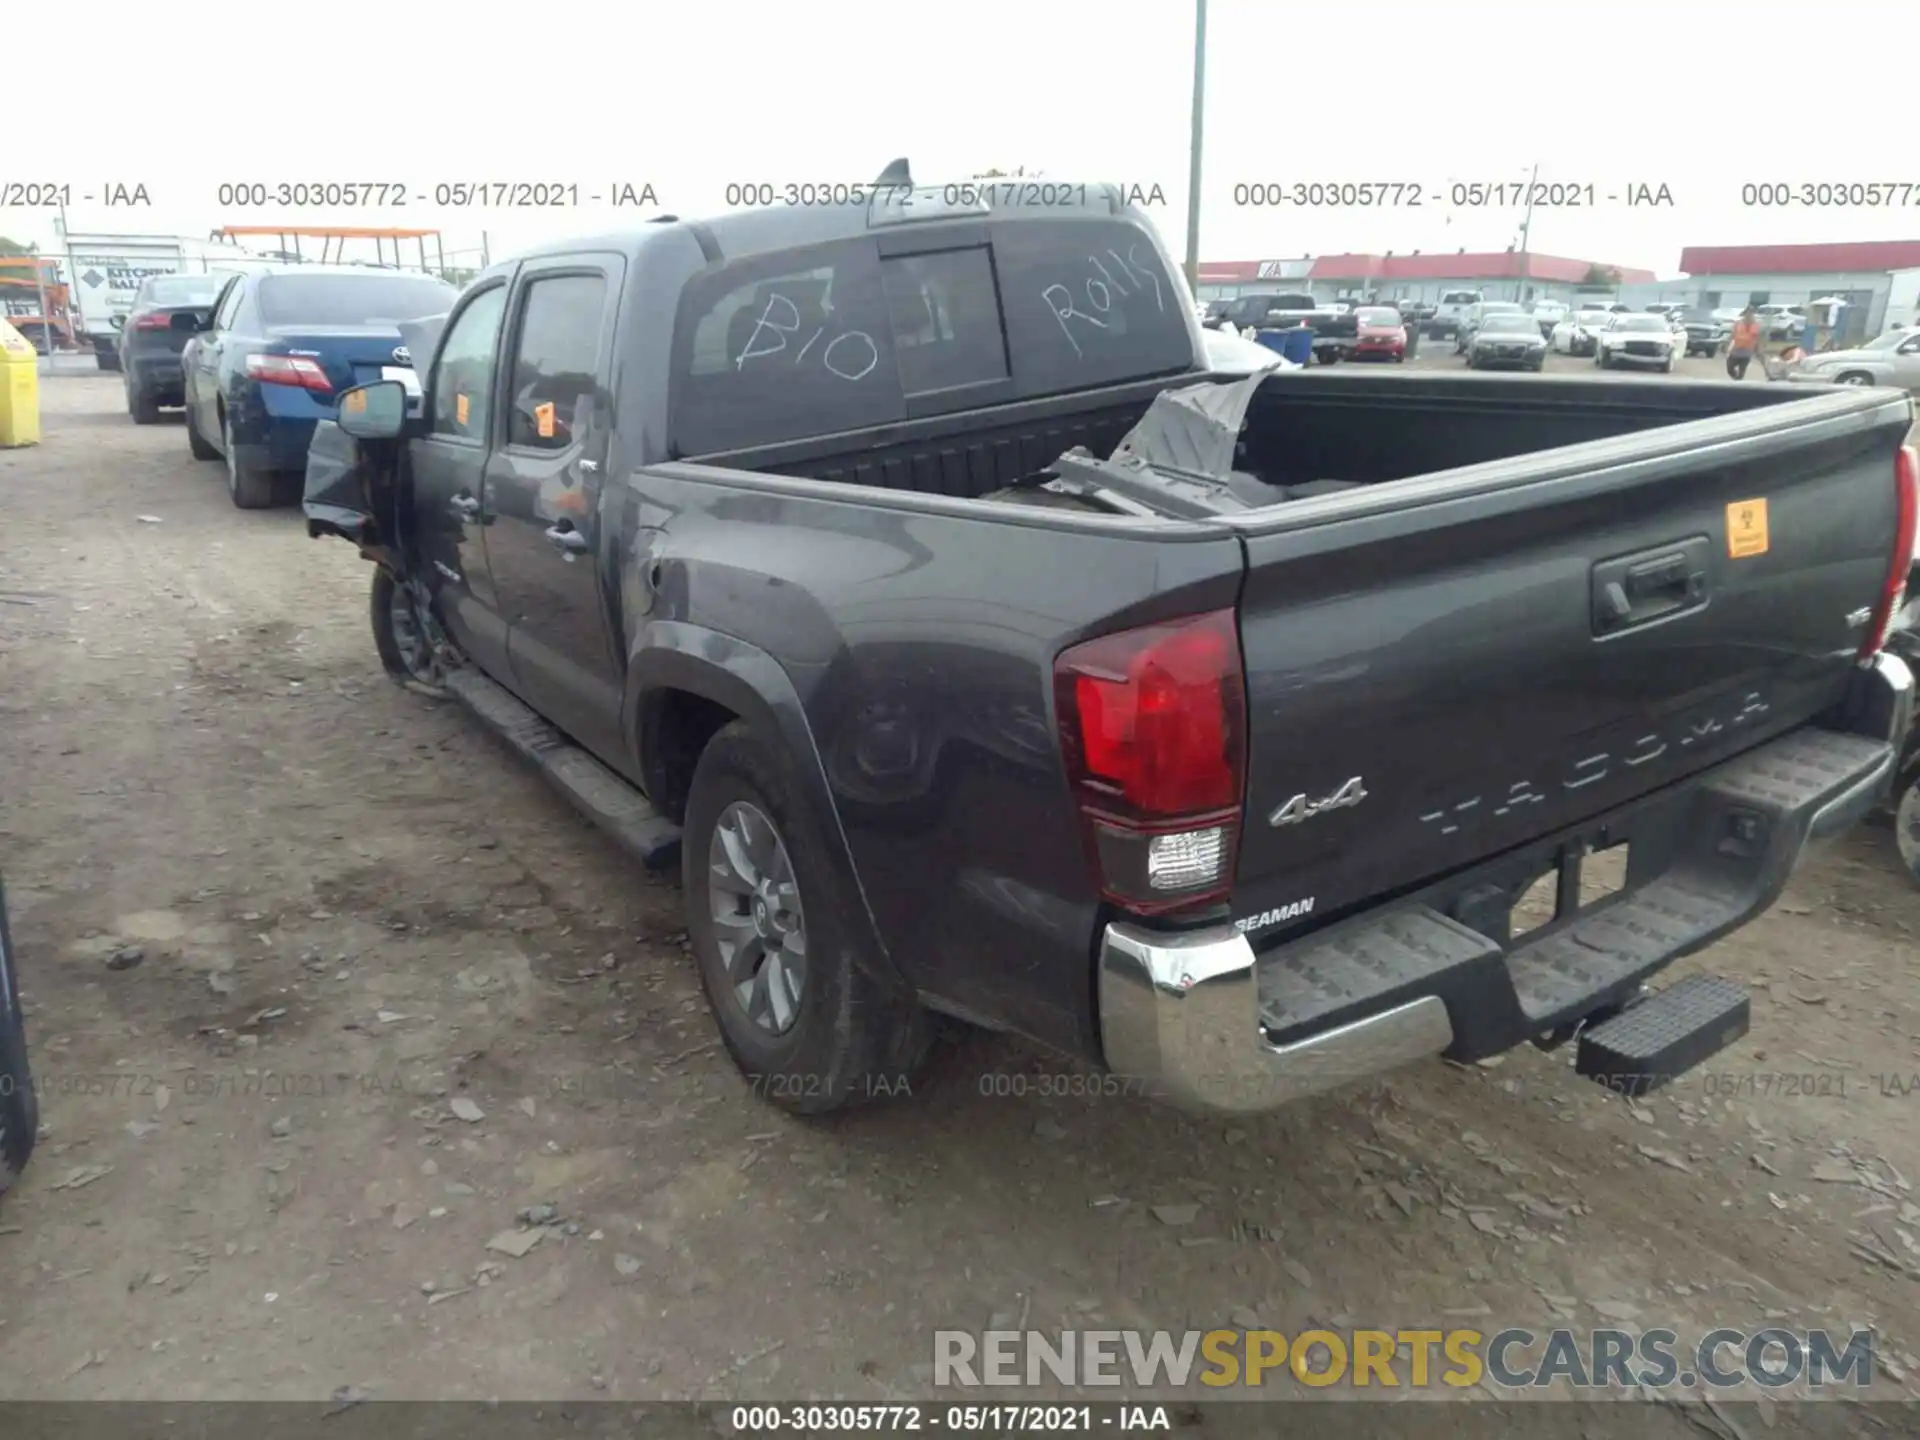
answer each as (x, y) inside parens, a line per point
(1294, 343)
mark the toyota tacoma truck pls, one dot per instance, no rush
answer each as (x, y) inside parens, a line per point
(899, 569)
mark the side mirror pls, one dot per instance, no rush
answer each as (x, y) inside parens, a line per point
(374, 412)
(189, 322)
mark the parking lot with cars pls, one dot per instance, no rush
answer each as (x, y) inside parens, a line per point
(367, 1068)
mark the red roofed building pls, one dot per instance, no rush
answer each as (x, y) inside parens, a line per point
(1877, 278)
(1413, 275)
(1859, 257)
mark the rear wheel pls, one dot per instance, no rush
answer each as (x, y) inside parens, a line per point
(250, 487)
(780, 942)
(141, 405)
(1906, 825)
(196, 442)
(1856, 377)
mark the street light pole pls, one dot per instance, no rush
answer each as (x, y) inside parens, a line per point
(1194, 141)
(1526, 228)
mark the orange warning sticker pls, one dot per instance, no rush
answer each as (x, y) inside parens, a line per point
(543, 419)
(1746, 528)
(355, 401)
(459, 409)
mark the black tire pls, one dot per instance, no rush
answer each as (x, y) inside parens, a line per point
(250, 488)
(407, 639)
(852, 1038)
(196, 442)
(1327, 357)
(1854, 377)
(1906, 824)
(141, 405)
(110, 364)
(19, 1105)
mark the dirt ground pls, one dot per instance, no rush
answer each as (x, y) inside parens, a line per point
(390, 992)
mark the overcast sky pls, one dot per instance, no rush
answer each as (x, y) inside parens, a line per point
(688, 99)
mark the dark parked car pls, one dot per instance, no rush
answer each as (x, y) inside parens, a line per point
(19, 1105)
(1705, 335)
(150, 343)
(1508, 340)
(276, 353)
(986, 658)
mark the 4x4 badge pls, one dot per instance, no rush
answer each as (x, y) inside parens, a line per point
(1301, 808)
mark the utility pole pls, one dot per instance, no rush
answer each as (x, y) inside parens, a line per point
(1526, 228)
(1194, 141)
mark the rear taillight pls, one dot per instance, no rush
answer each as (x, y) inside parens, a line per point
(1906, 485)
(1153, 730)
(152, 322)
(289, 370)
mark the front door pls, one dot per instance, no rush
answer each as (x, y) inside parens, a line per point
(449, 466)
(550, 561)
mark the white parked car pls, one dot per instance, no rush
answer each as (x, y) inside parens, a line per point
(1550, 313)
(1783, 322)
(1890, 359)
(1578, 334)
(1636, 340)
(1451, 312)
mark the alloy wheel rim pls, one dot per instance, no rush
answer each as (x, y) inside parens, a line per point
(410, 638)
(1906, 828)
(758, 921)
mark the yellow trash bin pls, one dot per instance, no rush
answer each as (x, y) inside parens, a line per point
(19, 389)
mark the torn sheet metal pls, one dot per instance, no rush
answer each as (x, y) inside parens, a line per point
(1193, 430)
(335, 499)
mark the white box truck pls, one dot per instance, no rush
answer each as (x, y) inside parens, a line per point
(103, 272)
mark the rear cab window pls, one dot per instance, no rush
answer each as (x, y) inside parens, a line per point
(837, 337)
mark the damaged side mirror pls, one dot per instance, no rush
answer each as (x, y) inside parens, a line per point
(374, 412)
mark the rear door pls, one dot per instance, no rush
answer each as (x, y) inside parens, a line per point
(551, 567)
(1440, 683)
(448, 467)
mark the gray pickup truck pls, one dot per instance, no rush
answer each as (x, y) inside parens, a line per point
(901, 569)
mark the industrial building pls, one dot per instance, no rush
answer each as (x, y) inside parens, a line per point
(1878, 279)
(1505, 275)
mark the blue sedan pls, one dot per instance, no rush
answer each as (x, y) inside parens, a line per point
(279, 348)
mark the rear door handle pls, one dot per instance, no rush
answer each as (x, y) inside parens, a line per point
(569, 542)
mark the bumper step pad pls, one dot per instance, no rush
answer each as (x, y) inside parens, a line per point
(1723, 851)
(1745, 841)
(1641, 1049)
(1350, 971)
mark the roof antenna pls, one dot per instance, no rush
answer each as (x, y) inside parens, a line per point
(898, 173)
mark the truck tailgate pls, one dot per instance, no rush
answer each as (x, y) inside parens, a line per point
(1495, 653)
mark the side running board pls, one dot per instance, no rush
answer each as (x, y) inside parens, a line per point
(599, 794)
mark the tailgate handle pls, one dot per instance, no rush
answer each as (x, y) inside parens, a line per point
(1638, 589)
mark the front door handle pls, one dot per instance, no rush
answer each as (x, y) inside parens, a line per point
(465, 507)
(569, 542)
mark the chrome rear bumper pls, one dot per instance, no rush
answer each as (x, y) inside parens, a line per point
(1179, 1014)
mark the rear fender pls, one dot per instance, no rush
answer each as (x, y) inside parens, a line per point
(675, 655)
